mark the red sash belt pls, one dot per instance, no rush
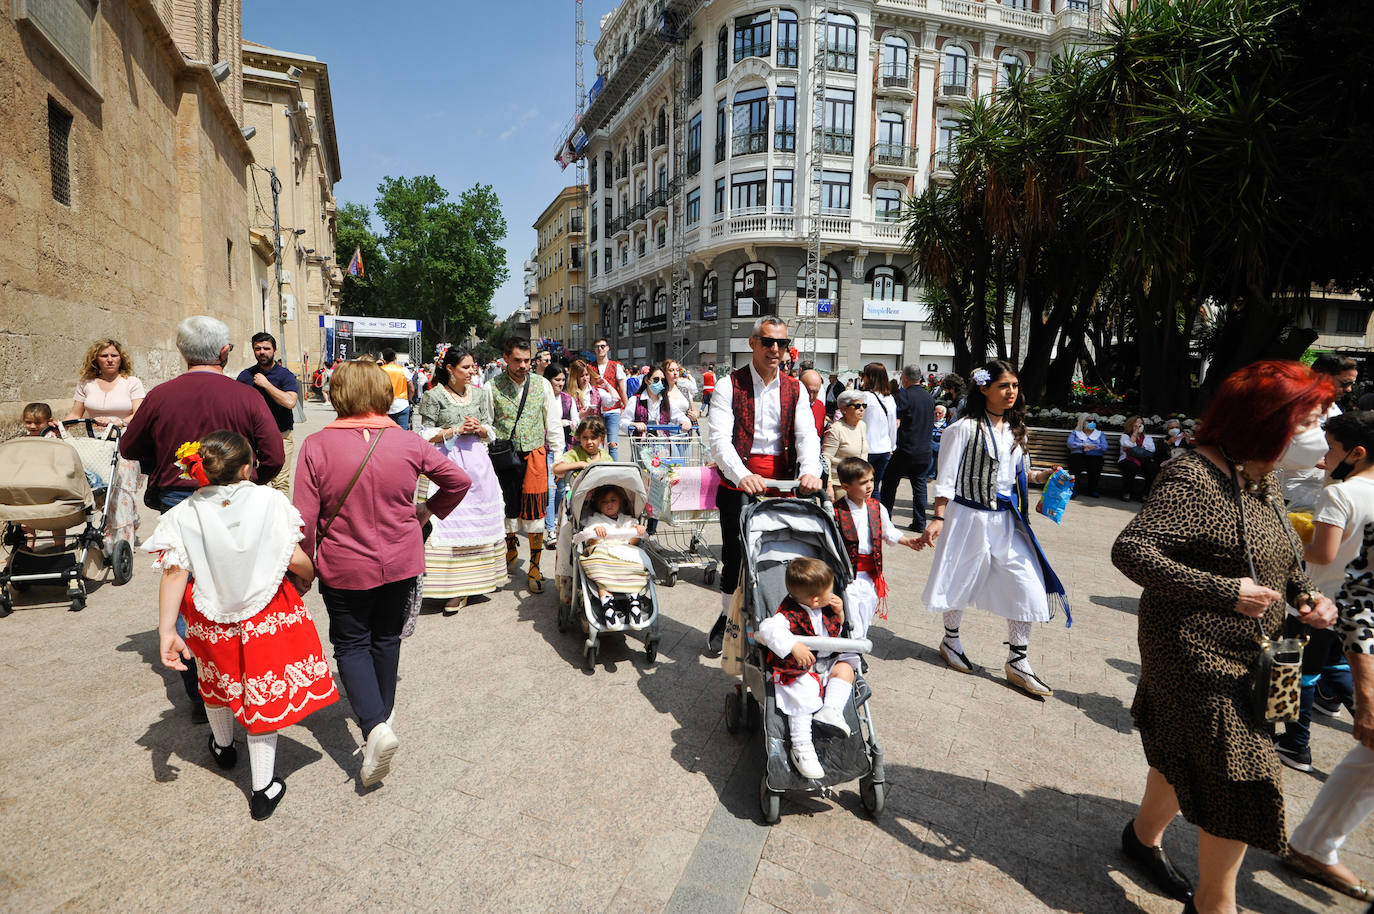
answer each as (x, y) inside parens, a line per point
(870, 567)
(765, 465)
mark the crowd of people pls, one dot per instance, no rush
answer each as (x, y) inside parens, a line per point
(1258, 524)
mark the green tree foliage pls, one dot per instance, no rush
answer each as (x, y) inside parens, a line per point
(437, 259)
(1189, 180)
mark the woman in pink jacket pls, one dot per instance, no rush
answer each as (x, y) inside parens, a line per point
(355, 490)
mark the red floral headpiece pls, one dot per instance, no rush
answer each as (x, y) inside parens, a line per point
(192, 467)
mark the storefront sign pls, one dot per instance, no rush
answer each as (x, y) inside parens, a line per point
(875, 310)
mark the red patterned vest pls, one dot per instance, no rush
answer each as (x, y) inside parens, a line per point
(742, 402)
(850, 534)
(787, 669)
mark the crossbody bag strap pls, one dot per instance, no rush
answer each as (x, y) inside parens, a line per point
(519, 412)
(351, 483)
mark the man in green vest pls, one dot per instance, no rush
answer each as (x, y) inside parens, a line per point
(526, 417)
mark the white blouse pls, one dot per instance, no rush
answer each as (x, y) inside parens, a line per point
(881, 419)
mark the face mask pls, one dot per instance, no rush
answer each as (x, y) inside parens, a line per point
(1175, 432)
(1090, 426)
(656, 387)
(1305, 450)
(1342, 470)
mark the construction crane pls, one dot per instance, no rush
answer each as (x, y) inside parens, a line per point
(580, 104)
(807, 317)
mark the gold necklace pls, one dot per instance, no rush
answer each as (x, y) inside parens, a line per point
(1252, 485)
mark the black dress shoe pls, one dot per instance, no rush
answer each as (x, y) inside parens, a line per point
(1190, 908)
(1162, 871)
(226, 757)
(715, 641)
(261, 805)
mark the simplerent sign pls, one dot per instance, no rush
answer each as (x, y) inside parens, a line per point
(875, 310)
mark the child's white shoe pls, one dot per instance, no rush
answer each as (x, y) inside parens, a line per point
(804, 757)
(830, 718)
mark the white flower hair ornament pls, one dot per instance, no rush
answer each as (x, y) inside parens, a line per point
(980, 377)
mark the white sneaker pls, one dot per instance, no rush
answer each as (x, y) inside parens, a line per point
(381, 746)
(831, 718)
(804, 757)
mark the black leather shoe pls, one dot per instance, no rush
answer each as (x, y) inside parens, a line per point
(226, 757)
(1162, 871)
(715, 641)
(261, 806)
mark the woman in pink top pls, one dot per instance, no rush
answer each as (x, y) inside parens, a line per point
(366, 540)
(109, 393)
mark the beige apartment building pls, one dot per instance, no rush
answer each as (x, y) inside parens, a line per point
(123, 184)
(289, 114)
(559, 262)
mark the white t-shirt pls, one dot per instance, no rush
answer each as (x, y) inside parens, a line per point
(1350, 506)
(881, 419)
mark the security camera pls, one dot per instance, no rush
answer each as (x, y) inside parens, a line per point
(294, 72)
(220, 71)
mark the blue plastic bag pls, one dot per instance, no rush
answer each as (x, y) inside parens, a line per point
(1058, 491)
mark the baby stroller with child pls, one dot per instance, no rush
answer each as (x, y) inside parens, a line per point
(776, 531)
(583, 601)
(45, 491)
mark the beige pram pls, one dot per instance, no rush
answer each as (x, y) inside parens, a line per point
(44, 488)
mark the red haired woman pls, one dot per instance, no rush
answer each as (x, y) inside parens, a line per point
(1216, 558)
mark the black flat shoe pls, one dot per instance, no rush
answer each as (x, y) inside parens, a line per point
(226, 757)
(261, 806)
(715, 640)
(1157, 864)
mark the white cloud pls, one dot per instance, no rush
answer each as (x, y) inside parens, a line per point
(524, 118)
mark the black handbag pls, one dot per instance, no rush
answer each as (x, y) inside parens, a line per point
(505, 459)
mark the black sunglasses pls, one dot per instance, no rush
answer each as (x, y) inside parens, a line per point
(767, 341)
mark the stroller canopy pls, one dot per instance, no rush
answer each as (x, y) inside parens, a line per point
(43, 484)
(628, 477)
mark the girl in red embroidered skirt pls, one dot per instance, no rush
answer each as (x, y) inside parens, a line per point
(224, 553)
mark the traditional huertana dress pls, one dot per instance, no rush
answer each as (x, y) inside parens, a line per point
(256, 648)
(465, 554)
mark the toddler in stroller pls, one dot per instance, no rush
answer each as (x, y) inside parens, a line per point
(810, 689)
(612, 561)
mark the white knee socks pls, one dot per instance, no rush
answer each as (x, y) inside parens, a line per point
(1018, 640)
(221, 724)
(262, 760)
(837, 692)
(952, 620)
(799, 728)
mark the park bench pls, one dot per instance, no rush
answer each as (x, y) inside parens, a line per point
(1050, 446)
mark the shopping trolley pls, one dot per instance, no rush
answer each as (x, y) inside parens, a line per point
(682, 500)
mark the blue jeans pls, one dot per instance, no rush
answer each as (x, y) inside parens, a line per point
(907, 466)
(402, 418)
(557, 488)
(612, 421)
(879, 464)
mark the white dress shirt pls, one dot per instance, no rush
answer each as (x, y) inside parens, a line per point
(767, 427)
(860, 515)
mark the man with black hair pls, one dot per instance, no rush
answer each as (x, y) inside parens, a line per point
(280, 391)
(1301, 470)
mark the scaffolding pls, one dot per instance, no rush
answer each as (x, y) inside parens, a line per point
(580, 105)
(807, 316)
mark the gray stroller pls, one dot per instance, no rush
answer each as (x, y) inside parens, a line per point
(775, 531)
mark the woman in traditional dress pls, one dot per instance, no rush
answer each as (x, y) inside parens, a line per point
(987, 556)
(585, 398)
(568, 414)
(465, 554)
(109, 394)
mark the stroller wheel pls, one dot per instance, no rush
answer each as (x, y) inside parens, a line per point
(78, 603)
(732, 711)
(710, 576)
(589, 657)
(6, 605)
(671, 579)
(564, 616)
(873, 795)
(122, 562)
(770, 802)
(651, 650)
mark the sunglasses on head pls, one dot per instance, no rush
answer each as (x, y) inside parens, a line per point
(767, 341)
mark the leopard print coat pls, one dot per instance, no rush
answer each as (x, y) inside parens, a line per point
(1197, 654)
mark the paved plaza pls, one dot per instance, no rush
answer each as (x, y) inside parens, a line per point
(524, 783)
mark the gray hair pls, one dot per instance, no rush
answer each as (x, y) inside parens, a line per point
(768, 320)
(851, 396)
(201, 338)
(913, 373)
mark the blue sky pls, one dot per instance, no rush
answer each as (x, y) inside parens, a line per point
(471, 93)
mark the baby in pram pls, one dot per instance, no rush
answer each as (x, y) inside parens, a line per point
(613, 561)
(810, 689)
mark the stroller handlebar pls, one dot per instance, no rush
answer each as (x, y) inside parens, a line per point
(837, 645)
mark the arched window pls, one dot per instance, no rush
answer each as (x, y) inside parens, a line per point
(643, 238)
(947, 137)
(756, 290)
(606, 168)
(754, 35)
(842, 42)
(694, 75)
(661, 127)
(887, 204)
(722, 52)
(660, 301)
(896, 63)
(886, 284)
(828, 288)
(1010, 68)
(624, 317)
(955, 78)
(641, 147)
(709, 284)
(891, 132)
(591, 175)
(641, 308)
(787, 38)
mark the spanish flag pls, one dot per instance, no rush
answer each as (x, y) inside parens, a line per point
(355, 266)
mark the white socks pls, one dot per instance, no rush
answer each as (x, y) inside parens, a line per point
(799, 728)
(262, 759)
(221, 724)
(1018, 640)
(952, 620)
(837, 692)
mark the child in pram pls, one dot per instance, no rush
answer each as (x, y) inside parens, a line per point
(810, 689)
(613, 561)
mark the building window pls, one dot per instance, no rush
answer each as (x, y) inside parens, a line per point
(693, 206)
(593, 263)
(722, 53)
(896, 64)
(694, 144)
(661, 128)
(835, 192)
(719, 209)
(721, 130)
(610, 261)
(606, 218)
(1351, 320)
(787, 38)
(841, 43)
(782, 190)
(661, 238)
(1009, 69)
(886, 284)
(641, 308)
(594, 222)
(1017, 4)
(660, 301)
(591, 175)
(643, 199)
(643, 243)
(708, 296)
(694, 75)
(748, 190)
(785, 115)
(606, 170)
(839, 121)
(827, 286)
(891, 132)
(756, 290)
(641, 147)
(753, 36)
(624, 317)
(955, 78)
(229, 261)
(887, 204)
(59, 153)
(749, 133)
(947, 137)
